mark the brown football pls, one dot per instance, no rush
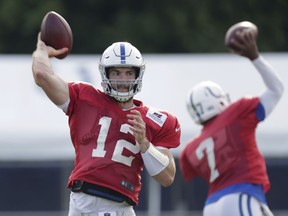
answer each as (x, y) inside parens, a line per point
(241, 26)
(56, 32)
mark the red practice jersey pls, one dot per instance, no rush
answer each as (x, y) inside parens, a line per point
(105, 148)
(226, 153)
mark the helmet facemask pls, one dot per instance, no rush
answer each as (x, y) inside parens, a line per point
(112, 87)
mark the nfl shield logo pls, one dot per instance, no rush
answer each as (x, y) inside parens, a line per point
(107, 214)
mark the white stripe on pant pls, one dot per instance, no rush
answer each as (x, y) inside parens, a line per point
(237, 204)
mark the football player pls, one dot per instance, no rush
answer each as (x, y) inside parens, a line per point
(225, 153)
(114, 135)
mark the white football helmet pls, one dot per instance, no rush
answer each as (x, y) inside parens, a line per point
(206, 100)
(121, 54)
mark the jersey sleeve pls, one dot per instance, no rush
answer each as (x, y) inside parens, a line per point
(245, 106)
(169, 135)
(76, 89)
(162, 128)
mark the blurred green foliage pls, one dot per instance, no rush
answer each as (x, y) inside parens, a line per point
(154, 26)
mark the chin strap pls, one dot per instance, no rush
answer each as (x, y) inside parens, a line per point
(154, 160)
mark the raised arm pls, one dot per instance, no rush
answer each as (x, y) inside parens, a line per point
(275, 88)
(55, 87)
(247, 47)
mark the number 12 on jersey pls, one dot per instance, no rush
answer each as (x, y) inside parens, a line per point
(121, 144)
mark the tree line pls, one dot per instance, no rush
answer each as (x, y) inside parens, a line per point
(154, 26)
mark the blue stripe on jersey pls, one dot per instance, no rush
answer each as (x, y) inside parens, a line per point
(260, 112)
(122, 53)
(247, 188)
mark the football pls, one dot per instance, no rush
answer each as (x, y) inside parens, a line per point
(241, 26)
(56, 32)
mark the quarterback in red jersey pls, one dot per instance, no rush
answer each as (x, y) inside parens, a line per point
(114, 135)
(225, 153)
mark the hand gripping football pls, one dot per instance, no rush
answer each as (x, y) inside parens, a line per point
(56, 32)
(241, 26)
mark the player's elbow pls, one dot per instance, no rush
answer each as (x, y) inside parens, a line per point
(168, 182)
(165, 179)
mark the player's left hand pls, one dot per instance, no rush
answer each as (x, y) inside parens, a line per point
(138, 127)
